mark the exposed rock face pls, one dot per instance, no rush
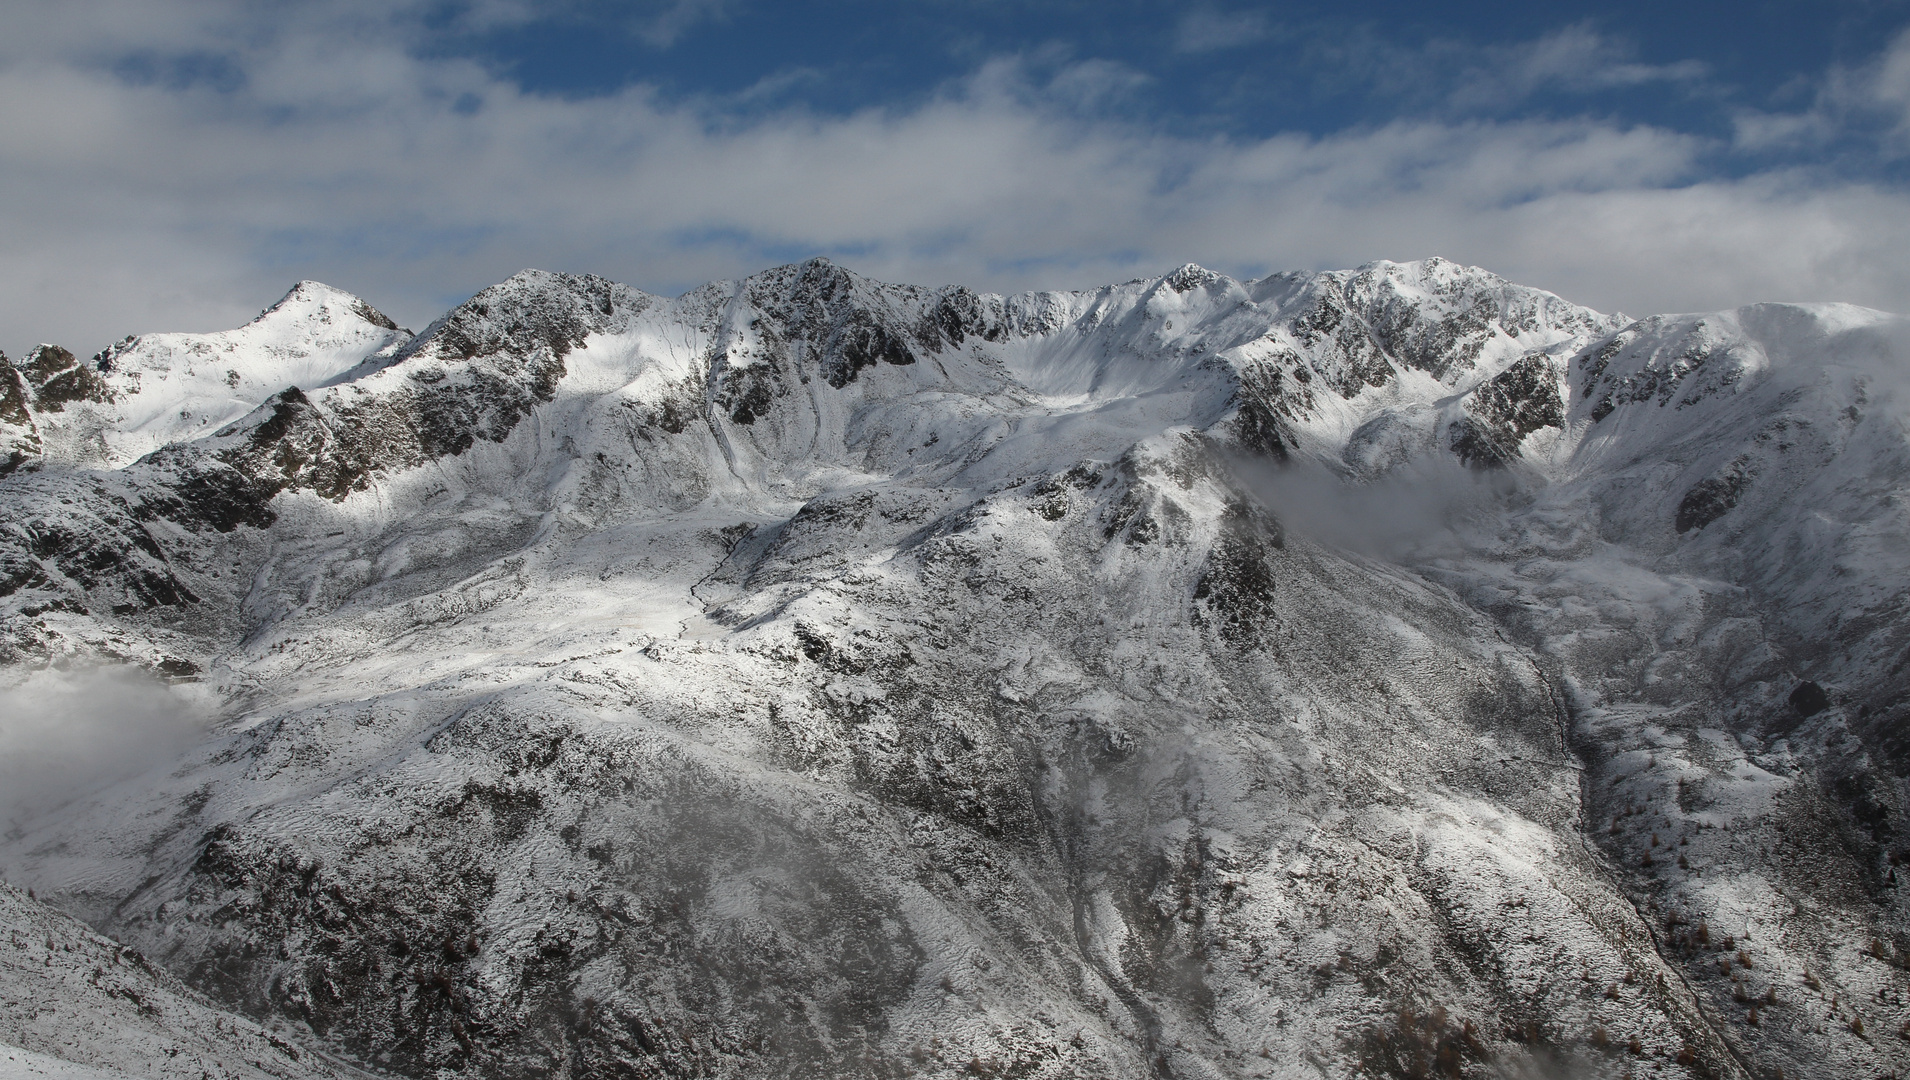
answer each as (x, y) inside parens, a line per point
(58, 378)
(1714, 496)
(811, 676)
(1518, 401)
(471, 377)
(19, 436)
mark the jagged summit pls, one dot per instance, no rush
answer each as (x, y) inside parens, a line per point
(1362, 673)
(530, 310)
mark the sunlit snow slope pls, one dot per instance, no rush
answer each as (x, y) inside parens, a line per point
(1386, 672)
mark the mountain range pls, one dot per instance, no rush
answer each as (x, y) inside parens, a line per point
(1386, 672)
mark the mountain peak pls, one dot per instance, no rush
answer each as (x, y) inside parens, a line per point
(531, 309)
(314, 299)
(1192, 276)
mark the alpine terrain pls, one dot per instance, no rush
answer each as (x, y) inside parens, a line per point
(1395, 672)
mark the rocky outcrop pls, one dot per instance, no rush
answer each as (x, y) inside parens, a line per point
(19, 436)
(1713, 497)
(58, 379)
(1518, 401)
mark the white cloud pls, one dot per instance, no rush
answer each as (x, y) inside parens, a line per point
(344, 157)
(65, 733)
(1868, 101)
(1574, 59)
(663, 28)
(1093, 84)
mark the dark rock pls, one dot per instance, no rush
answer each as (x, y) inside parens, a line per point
(1809, 699)
(1234, 593)
(1365, 362)
(1712, 498)
(1515, 403)
(1259, 427)
(958, 315)
(58, 379)
(1400, 327)
(373, 316)
(861, 342)
(747, 393)
(19, 435)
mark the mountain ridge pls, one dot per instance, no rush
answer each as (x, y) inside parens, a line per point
(806, 673)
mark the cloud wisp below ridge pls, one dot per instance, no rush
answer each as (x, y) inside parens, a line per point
(151, 198)
(66, 732)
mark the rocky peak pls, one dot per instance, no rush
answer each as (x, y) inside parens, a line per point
(59, 378)
(1448, 320)
(1192, 276)
(534, 312)
(316, 301)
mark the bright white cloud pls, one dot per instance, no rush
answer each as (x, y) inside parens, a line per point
(343, 157)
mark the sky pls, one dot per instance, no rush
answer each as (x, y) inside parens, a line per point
(179, 164)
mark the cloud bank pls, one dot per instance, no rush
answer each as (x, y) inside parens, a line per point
(65, 733)
(177, 166)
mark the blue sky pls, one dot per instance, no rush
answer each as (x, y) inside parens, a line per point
(176, 164)
(1239, 69)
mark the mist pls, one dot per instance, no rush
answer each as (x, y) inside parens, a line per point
(66, 733)
(1419, 510)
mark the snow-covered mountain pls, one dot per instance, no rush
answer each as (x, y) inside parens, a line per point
(152, 390)
(1389, 672)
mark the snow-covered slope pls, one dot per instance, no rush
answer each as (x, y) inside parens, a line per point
(1380, 672)
(1716, 573)
(76, 1006)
